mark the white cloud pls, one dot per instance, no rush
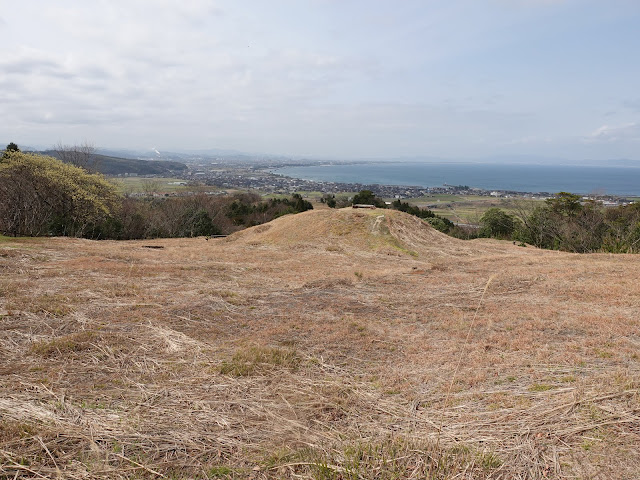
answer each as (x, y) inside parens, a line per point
(619, 133)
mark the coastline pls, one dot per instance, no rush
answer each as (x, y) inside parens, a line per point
(590, 181)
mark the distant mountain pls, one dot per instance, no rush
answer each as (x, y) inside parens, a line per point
(506, 160)
(109, 165)
(214, 152)
(122, 153)
(536, 160)
(176, 155)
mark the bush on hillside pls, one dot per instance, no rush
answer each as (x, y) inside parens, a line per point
(565, 222)
(623, 232)
(40, 195)
(439, 223)
(249, 210)
(329, 199)
(11, 148)
(367, 197)
(497, 223)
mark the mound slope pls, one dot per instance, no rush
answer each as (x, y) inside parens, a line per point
(363, 230)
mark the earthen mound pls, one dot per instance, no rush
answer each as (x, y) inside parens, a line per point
(378, 230)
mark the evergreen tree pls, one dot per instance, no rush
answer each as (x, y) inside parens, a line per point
(11, 148)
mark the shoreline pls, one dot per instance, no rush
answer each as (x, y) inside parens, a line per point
(413, 191)
(269, 178)
(467, 188)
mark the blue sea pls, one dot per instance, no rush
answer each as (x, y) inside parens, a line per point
(619, 180)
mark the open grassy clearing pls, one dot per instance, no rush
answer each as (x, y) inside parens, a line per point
(129, 185)
(329, 344)
(470, 208)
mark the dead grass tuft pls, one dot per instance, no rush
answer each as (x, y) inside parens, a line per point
(254, 360)
(63, 345)
(54, 305)
(11, 431)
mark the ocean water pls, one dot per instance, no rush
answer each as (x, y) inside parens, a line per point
(624, 181)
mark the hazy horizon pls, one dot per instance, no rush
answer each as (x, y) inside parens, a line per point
(210, 153)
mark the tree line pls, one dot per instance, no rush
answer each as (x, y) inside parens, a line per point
(565, 222)
(41, 196)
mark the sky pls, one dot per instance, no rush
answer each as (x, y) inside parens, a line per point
(325, 78)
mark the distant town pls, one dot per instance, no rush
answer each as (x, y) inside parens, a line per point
(261, 175)
(229, 171)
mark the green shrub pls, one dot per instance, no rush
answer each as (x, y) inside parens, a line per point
(40, 195)
(498, 224)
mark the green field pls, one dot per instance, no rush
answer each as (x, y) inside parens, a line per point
(129, 185)
(470, 208)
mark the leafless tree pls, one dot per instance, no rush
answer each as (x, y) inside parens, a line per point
(82, 155)
(151, 187)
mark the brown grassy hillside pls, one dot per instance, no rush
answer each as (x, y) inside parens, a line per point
(330, 344)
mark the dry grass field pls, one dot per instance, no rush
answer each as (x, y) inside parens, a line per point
(340, 344)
